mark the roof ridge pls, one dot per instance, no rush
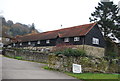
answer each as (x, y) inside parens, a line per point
(67, 28)
(76, 26)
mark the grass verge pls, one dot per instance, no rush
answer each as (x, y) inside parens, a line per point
(91, 76)
(94, 76)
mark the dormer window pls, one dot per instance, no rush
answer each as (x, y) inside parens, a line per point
(29, 43)
(76, 38)
(47, 41)
(38, 42)
(20, 44)
(95, 41)
(66, 39)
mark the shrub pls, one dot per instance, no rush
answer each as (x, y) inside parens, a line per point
(71, 52)
(112, 55)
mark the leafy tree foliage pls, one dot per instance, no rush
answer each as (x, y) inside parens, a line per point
(9, 23)
(106, 14)
(33, 26)
(32, 29)
(16, 29)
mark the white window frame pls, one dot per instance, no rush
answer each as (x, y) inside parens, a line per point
(38, 42)
(66, 39)
(95, 41)
(76, 38)
(29, 43)
(47, 41)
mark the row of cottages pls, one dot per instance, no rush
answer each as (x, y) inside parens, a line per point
(86, 36)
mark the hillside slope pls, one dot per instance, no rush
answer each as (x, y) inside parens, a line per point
(14, 29)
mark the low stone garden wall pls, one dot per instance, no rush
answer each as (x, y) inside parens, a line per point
(88, 64)
(63, 63)
(93, 51)
(27, 55)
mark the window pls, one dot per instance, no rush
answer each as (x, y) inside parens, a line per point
(1, 44)
(20, 44)
(47, 41)
(66, 39)
(29, 43)
(76, 38)
(0, 38)
(38, 42)
(14, 44)
(95, 41)
(7, 39)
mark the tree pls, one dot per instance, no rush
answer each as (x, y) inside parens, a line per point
(106, 14)
(32, 27)
(10, 23)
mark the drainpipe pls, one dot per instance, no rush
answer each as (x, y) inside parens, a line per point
(83, 42)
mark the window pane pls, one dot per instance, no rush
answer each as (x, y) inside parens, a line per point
(95, 41)
(76, 38)
(20, 44)
(38, 42)
(66, 39)
(29, 43)
(47, 41)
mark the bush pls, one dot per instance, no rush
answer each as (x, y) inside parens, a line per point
(111, 55)
(71, 52)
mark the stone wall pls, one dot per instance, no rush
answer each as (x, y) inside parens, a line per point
(88, 64)
(90, 50)
(93, 51)
(63, 63)
(27, 55)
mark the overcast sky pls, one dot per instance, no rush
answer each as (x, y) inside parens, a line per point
(49, 14)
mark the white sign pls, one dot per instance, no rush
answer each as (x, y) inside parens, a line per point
(77, 68)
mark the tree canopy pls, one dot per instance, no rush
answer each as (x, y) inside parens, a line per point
(106, 14)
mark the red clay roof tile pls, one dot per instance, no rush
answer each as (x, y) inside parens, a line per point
(66, 32)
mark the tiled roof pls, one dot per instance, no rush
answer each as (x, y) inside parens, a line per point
(81, 30)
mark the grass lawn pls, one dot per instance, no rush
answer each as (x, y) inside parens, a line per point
(95, 76)
(91, 76)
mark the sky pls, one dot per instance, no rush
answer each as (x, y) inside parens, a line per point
(49, 15)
